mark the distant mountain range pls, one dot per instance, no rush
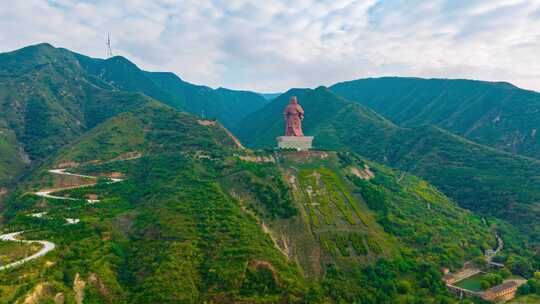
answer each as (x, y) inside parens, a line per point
(497, 114)
(228, 106)
(270, 96)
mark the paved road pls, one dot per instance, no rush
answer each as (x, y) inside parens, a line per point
(47, 246)
(47, 192)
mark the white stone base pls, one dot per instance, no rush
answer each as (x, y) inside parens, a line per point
(300, 143)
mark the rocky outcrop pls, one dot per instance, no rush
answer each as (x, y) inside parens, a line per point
(59, 298)
(96, 282)
(365, 174)
(37, 294)
(78, 288)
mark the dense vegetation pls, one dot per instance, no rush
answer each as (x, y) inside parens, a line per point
(192, 222)
(424, 218)
(480, 178)
(169, 223)
(11, 160)
(532, 286)
(47, 101)
(490, 113)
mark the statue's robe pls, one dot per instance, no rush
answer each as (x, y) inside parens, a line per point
(293, 119)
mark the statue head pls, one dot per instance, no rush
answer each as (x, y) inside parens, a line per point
(293, 100)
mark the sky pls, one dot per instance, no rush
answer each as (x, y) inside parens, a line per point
(273, 45)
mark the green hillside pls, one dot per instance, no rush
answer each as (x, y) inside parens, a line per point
(46, 101)
(490, 113)
(50, 96)
(228, 106)
(12, 158)
(198, 219)
(480, 178)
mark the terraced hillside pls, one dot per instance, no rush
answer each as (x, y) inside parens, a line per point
(480, 178)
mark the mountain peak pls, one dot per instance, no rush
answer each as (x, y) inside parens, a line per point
(40, 48)
(42, 45)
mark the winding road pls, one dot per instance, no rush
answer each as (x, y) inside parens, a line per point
(47, 246)
(47, 192)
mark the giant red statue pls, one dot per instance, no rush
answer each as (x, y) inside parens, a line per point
(294, 114)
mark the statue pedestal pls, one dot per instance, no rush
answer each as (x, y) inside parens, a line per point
(300, 143)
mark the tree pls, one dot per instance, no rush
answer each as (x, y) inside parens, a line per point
(524, 290)
(404, 287)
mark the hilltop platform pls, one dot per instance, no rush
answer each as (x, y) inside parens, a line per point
(300, 143)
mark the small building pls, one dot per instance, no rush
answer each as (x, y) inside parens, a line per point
(503, 292)
(489, 252)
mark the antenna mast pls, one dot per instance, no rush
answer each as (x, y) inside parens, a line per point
(109, 50)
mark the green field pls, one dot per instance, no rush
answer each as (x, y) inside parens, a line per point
(472, 283)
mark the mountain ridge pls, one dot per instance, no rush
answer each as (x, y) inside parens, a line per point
(497, 114)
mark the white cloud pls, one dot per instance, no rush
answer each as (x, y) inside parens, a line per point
(274, 45)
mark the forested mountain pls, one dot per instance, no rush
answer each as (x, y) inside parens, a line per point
(227, 106)
(198, 219)
(478, 177)
(46, 101)
(50, 96)
(491, 113)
